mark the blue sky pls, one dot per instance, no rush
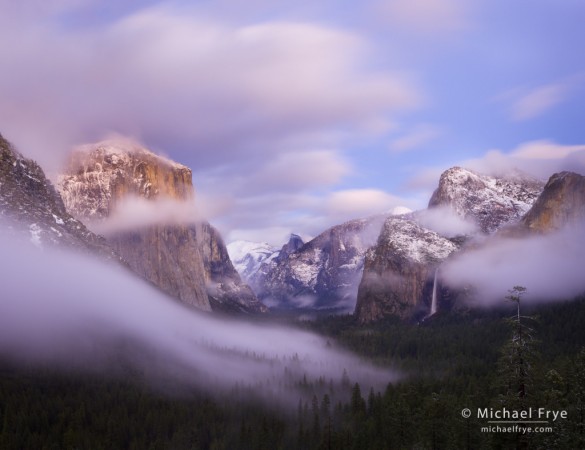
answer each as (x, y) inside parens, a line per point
(295, 116)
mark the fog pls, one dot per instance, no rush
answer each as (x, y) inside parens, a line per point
(71, 310)
(444, 221)
(131, 213)
(550, 266)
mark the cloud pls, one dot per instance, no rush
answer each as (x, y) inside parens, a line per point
(546, 150)
(257, 108)
(302, 170)
(79, 312)
(538, 101)
(426, 16)
(271, 217)
(417, 137)
(539, 158)
(260, 218)
(427, 179)
(530, 103)
(209, 89)
(444, 221)
(399, 210)
(353, 203)
(132, 213)
(549, 266)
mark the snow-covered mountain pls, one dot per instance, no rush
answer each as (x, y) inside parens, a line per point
(321, 274)
(403, 268)
(253, 260)
(399, 271)
(488, 201)
(32, 210)
(247, 256)
(399, 262)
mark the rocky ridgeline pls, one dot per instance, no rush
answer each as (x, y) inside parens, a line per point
(356, 267)
(490, 202)
(31, 209)
(323, 273)
(377, 267)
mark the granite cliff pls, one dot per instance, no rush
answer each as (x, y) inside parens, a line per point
(561, 203)
(186, 259)
(399, 271)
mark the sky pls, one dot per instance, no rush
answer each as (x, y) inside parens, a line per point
(296, 116)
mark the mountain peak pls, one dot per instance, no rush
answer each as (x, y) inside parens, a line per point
(294, 243)
(98, 176)
(489, 201)
(119, 149)
(188, 261)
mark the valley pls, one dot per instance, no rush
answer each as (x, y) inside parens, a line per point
(149, 336)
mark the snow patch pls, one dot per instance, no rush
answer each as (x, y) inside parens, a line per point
(415, 243)
(58, 220)
(35, 234)
(247, 257)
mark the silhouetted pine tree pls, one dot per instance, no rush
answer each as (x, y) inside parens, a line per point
(516, 363)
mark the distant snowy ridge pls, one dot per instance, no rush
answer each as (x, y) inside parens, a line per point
(247, 257)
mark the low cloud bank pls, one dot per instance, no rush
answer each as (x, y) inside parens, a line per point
(72, 310)
(444, 221)
(132, 213)
(549, 266)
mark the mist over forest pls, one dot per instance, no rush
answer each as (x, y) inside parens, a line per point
(79, 313)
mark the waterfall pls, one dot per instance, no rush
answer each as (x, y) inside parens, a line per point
(434, 298)
(434, 305)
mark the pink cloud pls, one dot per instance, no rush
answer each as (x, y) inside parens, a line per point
(426, 16)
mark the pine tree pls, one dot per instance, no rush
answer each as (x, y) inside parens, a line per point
(316, 419)
(326, 415)
(577, 400)
(358, 405)
(516, 362)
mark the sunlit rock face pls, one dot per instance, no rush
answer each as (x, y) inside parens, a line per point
(186, 260)
(31, 208)
(490, 202)
(399, 269)
(561, 203)
(98, 176)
